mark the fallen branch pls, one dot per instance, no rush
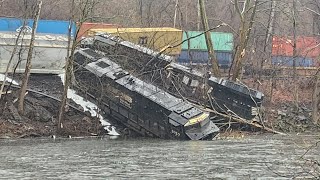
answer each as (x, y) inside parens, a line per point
(244, 121)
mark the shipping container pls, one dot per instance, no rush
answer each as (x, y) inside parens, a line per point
(288, 61)
(49, 53)
(153, 38)
(86, 26)
(44, 26)
(306, 46)
(202, 57)
(221, 41)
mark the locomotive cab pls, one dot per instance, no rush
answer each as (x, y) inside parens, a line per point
(195, 124)
(200, 127)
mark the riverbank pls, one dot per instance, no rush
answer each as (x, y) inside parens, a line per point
(82, 118)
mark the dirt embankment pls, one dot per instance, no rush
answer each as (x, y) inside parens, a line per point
(280, 111)
(40, 117)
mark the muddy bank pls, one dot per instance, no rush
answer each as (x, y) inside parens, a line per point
(40, 118)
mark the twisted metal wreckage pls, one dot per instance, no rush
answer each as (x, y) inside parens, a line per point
(128, 83)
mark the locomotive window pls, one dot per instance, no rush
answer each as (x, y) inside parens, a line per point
(186, 80)
(194, 126)
(102, 64)
(194, 83)
(173, 122)
(143, 40)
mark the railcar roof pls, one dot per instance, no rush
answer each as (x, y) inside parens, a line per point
(149, 91)
(106, 67)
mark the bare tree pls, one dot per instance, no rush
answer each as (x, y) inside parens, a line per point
(316, 90)
(295, 93)
(29, 58)
(212, 55)
(247, 15)
(16, 44)
(83, 13)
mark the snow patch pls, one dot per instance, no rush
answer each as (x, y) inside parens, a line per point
(8, 80)
(90, 107)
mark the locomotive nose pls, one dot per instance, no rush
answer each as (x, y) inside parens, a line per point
(208, 131)
(200, 128)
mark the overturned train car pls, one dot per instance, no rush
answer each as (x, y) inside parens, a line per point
(222, 95)
(140, 106)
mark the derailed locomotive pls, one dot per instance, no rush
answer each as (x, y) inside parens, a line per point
(220, 94)
(140, 106)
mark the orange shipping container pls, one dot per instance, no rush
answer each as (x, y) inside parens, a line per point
(85, 27)
(306, 46)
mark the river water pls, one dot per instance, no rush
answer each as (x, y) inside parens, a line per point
(257, 157)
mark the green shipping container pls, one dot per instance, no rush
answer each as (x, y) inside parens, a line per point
(221, 41)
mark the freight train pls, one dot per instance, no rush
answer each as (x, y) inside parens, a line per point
(139, 105)
(223, 95)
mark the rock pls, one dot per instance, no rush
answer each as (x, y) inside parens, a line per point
(37, 116)
(281, 113)
(86, 119)
(302, 118)
(14, 113)
(4, 137)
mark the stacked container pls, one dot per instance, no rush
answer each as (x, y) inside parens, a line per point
(44, 26)
(308, 51)
(197, 52)
(50, 46)
(153, 38)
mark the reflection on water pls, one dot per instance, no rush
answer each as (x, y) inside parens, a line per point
(261, 157)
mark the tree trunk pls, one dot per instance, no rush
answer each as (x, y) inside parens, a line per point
(295, 93)
(212, 56)
(245, 30)
(316, 100)
(29, 58)
(199, 16)
(270, 30)
(175, 14)
(68, 70)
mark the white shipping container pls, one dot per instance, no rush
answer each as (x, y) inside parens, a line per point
(48, 57)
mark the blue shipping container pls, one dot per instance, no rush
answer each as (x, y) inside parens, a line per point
(202, 57)
(288, 61)
(44, 26)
